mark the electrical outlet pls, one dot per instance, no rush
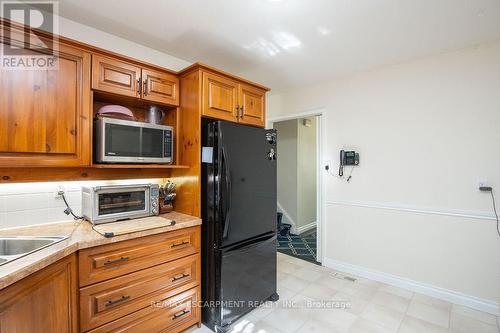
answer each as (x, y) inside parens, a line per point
(59, 190)
(484, 187)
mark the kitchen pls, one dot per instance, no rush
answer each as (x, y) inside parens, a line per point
(136, 242)
(143, 188)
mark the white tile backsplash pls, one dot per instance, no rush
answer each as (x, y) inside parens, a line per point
(36, 203)
(17, 202)
(25, 217)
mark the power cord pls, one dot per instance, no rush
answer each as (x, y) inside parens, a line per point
(495, 210)
(341, 172)
(68, 210)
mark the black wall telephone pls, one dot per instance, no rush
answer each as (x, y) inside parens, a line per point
(347, 158)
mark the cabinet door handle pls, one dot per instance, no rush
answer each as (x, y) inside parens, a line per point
(179, 277)
(146, 87)
(119, 300)
(111, 262)
(180, 314)
(179, 244)
(139, 87)
(241, 111)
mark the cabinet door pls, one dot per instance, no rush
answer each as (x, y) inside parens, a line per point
(45, 114)
(220, 97)
(114, 76)
(252, 102)
(160, 87)
(45, 301)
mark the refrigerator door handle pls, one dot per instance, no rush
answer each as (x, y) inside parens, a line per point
(250, 245)
(227, 178)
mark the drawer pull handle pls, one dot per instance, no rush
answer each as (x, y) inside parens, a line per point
(119, 300)
(178, 277)
(179, 244)
(111, 262)
(180, 314)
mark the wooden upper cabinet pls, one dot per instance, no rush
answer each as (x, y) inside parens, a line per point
(46, 301)
(160, 87)
(123, 78)
(114, 76)
(45, 114)
(220, 97)
(252, 105)
(232, 99)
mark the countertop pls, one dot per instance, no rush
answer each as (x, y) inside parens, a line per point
(80, 236)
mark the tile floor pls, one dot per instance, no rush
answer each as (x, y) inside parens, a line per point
(374, 307)
(301, 246)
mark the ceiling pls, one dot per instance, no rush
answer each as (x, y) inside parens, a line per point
(290, 43)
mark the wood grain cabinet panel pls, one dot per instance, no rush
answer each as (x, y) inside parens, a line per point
(109, 300)
(45, 301)
(220, 97)
(171, 315)
(160, 87)
(45, 114)
(252, 105)
(108, 261)
(114, 76)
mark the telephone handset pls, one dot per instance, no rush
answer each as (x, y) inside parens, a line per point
(347, 158)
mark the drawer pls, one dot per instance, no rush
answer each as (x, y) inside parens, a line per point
(173, 315)
(109, 300)
(108, 261)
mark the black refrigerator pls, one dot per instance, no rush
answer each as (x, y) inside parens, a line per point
(239, 221)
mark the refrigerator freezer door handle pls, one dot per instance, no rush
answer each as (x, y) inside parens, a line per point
(227, 176)
(243, 248)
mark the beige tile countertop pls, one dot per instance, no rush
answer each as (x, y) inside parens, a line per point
(80, 236)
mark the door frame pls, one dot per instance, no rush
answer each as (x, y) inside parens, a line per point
(320, 197)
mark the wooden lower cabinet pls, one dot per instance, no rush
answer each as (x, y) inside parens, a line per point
(171, 315)
(45, 301)
(149, 284)
(108, 261)
(112, 299)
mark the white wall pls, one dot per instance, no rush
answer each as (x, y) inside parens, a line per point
(427, 131)
(287, 170)
(306, 175)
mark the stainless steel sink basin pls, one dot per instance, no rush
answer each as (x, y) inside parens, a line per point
(12, 248)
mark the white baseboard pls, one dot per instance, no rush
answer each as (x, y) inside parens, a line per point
(419, 287)
(306, 227)
(286, 217)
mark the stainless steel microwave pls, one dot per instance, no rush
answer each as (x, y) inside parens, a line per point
(102, 204)
(125, 141)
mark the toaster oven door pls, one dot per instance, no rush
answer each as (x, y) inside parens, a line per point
(116, 204)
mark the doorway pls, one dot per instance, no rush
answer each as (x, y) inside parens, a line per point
(299, 186)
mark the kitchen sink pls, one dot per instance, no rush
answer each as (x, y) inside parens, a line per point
(12, 248)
